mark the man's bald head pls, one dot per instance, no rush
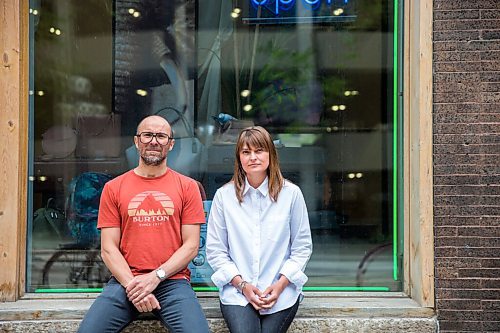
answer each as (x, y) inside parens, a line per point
(157, 122)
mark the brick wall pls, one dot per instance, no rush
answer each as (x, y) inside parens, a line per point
(466, 147)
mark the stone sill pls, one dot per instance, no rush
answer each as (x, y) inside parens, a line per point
(40, 307)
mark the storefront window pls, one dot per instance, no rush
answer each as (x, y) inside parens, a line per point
(320, 75)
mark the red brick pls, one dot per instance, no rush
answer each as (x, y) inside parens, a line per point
(453, 159)
(479, 273)
(446, 273)
(466, 155)
(491, 86)
(489, 34)
(466, 118)
(476, 315)
(456, 138)
(442, 170)
(460, 326)
(467, 211)
(478, 294)
(464, 148)
(445, 231)
(460, 14)
(491, 263)
(461, 304)
(459, 283)
(491, 316)
(486, 14)
(467, 221)
(472, 200)
(490, 305)
(459, 66)
(458, 241)
(457, 262)
(491, 326)
(445, 252)
(479, 231)
(477, 252)
(445, 46)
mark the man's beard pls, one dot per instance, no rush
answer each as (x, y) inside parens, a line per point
(153, 160)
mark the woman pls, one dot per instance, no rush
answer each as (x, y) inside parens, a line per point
(258, 240)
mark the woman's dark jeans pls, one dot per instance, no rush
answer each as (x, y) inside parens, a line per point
(246, 319)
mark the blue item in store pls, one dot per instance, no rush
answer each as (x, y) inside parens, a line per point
(82, 207)
(199, 267)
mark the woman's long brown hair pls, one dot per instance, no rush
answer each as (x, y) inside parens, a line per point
(258, 137)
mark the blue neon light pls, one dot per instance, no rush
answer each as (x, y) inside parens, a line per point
(277, 6)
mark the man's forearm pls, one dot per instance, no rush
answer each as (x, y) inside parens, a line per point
(117, 265)
(180, 259)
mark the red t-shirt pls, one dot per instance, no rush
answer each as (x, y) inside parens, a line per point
(150, 212)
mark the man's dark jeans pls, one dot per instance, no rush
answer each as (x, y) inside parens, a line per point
(180, 310)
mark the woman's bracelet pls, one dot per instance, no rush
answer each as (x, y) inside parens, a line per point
(241, 286)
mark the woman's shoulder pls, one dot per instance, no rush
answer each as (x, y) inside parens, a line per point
(288, 185)
(227, 188)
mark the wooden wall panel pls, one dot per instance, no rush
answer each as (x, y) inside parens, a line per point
(419, 239)
(13, 146)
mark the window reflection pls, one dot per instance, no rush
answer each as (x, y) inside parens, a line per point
(76, 133)
(316, 74)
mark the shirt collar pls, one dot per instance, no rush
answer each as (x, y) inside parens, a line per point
(263, 188)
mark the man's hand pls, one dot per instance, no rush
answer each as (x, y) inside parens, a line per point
(141, 286)
(147, 304)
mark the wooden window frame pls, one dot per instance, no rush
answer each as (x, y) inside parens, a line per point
(418, 267)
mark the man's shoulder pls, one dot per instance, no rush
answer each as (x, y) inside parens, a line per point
(185, 184)
(183, 179)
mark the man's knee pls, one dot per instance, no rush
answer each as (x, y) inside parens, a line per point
(110, 312)
(180, 309)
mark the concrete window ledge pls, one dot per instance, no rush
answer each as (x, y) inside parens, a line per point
(319, 312)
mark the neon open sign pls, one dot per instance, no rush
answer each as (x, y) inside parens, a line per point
(277, 6)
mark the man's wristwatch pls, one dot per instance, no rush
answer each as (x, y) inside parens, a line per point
(160, 274)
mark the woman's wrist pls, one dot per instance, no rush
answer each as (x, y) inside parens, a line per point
(241, 285)
(238, 283)
(283, 281)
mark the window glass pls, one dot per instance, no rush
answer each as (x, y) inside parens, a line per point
(319, 75)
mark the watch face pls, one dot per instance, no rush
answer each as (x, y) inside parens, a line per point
(160, 273)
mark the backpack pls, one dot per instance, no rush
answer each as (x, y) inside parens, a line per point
(49, 225)
(82, 207)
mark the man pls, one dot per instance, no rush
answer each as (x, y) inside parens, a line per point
(149, 219)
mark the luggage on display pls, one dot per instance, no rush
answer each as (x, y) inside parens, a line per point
(49, 226)
(82, 207)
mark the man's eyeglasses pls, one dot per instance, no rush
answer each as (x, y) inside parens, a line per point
(147, 137)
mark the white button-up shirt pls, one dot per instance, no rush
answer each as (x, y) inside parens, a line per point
(259, 240)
